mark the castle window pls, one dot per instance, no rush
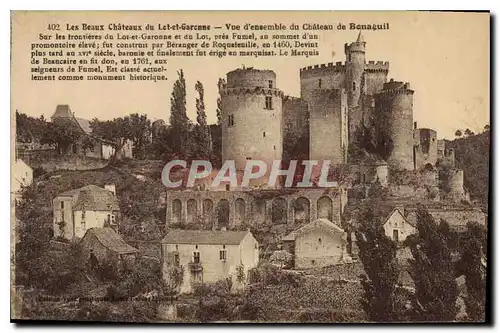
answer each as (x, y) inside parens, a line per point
(319, 241)
(249, 158)
(263, 134)
(270, 83)
(269, 102)
(354, 86)
(62, 204)
(319, 83)
(83, 224)
(349, 57)
(230, 120)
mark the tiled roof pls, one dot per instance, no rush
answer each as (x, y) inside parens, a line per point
(92, 197)
(204, 237)
(62, 111)
(319, 223)
(84, 124)
(111, 240)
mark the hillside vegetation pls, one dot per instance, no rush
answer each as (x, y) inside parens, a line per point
(472, 154)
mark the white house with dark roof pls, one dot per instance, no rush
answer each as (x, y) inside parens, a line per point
(78, 210)
(100, 148)
(317, 244)
(209, 256)
(397, 226)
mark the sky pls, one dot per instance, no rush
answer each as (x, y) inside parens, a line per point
(444, 56)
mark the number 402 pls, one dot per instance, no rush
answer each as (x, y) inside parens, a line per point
(53, 27)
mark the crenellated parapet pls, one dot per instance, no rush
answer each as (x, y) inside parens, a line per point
(392, 88)
(251, 91)
(379, 66)
(322, 69)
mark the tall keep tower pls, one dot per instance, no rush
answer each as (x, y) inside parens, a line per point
(251, 117)
(354, 82)
(394, 111)
(355, 67)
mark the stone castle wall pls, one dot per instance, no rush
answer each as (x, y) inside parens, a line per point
(327, 119)
(425, 145)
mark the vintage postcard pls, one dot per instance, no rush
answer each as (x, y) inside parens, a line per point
(250, 167)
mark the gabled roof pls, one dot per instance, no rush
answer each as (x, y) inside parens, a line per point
(92, 197)
(204, 237)
(319, 223)
(110, 240)
(397, 211)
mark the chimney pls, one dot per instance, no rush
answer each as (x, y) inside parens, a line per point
(415, 125)
(111, 187)
(223, 229)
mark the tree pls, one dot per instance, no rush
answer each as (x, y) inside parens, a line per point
(62, 134)
(134, 127)
(468, 132)
(472, 266)
(179, 120)
(221, 84)
(116, 132)
(432, 270)
(140, 133)
(378, 255)
(458, 133)
(202, 138)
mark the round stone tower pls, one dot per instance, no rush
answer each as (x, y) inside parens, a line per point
(355, 67)
(394, 109)
(251, 117)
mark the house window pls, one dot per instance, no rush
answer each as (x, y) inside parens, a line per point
(319, 83)
(83, 225)
(62, 204)
(354, 86)
(270, 83)
(83, 215)
(112, 219)
(269, 102)
(196, 257)
(223, 255)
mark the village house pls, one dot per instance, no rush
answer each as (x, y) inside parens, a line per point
(397, 227)
(22, 176)
(108, 247)
(99, 148)
(78, 210)
(317, 244)
(210, 256)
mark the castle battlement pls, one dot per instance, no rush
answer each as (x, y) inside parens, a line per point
(379, 66)
(251, 91)
(323, 68)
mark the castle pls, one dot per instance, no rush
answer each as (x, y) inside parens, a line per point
(348, 113)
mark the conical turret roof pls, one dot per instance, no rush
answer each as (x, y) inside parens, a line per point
(360, 38)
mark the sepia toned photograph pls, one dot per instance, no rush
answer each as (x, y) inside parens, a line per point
(250, 167)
